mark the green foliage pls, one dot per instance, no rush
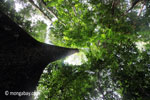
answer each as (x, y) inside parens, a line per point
(66, 82)
(120, 68)
(128, 72)
(39, 31)
(87, 21)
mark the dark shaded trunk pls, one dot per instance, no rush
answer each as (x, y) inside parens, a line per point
(23, 59)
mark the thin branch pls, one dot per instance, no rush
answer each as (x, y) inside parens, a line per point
(141, 10)
(48, 9)
(115, 3)
(133, 5)
(74, 9)
(32, 2)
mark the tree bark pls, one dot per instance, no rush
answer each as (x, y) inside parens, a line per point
(23, 59)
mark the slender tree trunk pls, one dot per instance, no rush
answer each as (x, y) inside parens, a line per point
(32, 2)
(50, 11)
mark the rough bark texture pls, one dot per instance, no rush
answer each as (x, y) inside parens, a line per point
(22, 59)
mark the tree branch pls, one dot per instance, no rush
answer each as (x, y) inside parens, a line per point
(32, 2)
(74, 9)
(141, 10)
(133, 5)
(48, 9)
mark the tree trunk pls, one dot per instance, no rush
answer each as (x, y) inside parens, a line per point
(22, 60)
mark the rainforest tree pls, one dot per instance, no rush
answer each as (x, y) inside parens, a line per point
(22, 60)
(110, 33)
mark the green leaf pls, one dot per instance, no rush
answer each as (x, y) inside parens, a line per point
(103, 36)
(60, 1)
(52, 4)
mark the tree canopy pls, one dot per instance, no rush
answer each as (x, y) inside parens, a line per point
(113, 34)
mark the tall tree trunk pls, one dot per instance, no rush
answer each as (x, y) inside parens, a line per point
(22, 60)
